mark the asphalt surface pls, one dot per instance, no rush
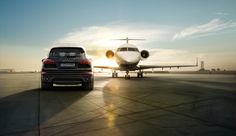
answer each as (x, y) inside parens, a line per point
(160, 104)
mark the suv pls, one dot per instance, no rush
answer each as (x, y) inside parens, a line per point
(67, 66)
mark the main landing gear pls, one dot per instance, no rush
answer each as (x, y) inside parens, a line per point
(127, 76)
(140, 74)
(114, 74)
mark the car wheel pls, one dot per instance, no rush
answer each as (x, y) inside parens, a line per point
(46, 86)
(88, 86)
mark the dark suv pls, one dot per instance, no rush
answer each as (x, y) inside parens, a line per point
(67, 66)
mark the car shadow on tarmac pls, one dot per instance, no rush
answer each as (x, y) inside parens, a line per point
(22, 113)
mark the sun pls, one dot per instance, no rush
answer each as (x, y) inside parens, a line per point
(105, 62)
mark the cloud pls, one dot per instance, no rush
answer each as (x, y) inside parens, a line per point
(171, 56)
(98, 39)
(222, 13)
(205, 29)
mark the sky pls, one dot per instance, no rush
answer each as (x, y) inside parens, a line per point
(175, 31)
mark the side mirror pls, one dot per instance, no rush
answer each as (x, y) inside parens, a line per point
(42, 60)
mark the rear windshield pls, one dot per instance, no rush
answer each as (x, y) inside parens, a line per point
(66, 52)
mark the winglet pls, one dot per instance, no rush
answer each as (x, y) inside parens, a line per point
(196, 61)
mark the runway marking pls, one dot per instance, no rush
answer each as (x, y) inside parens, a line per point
(182, 114)
(135, 99)
(38, 113)
(94, 119)
(207, 85)
(100, 84)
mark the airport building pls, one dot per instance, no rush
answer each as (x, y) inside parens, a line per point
(202, 66)
(6, 70)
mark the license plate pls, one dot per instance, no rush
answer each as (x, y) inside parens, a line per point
(67, 64)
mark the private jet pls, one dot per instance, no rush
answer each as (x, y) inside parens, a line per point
(128, 56)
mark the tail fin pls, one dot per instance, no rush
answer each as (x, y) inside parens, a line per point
(127, 39)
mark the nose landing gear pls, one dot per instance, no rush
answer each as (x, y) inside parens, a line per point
(127, 76)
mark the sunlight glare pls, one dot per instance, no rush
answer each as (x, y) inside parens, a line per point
(105, 62)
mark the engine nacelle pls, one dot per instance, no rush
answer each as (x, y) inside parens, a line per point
(110, 54)
(144, 54)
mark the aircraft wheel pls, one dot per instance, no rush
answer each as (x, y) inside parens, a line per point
(115, 74)
(141, 74)
(127, 76)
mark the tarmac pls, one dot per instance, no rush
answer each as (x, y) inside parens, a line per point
(158, 104)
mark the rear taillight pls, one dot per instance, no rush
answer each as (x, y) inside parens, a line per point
(85, 62)
(49, 61)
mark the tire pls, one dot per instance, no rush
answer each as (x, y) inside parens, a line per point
(127, 76)
(46, 86)
(141, 75)
(88, 86)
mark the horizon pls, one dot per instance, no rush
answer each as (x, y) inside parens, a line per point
(174, 32)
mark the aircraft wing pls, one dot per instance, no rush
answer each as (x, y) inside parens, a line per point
(107, 67)
(148, 66)
(166, 66)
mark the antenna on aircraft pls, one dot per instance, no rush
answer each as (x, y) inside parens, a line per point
(127, 39)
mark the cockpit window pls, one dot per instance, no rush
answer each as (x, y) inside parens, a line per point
(122, 49)
(128, 49)
(132, 49)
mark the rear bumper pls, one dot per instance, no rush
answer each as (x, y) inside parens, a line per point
(66, 77)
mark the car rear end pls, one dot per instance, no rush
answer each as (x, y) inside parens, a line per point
(67, 66)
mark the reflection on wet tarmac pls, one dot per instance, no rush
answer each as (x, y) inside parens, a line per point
(161, 104)
(113, 87)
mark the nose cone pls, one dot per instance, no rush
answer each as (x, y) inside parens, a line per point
(132, 59)
(128, 57)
